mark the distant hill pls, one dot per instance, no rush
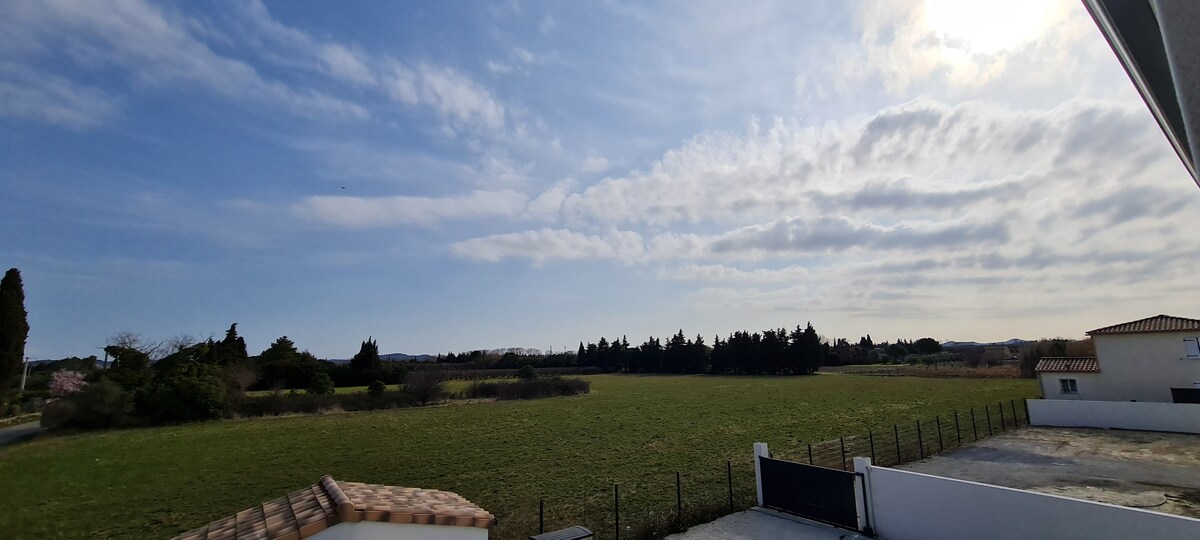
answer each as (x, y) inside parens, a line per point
(959, 344)
(394, 357)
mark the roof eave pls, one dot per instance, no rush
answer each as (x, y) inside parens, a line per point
(1109, 28)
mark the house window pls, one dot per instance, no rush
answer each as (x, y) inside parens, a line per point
(1191, 347)
(1068, 386)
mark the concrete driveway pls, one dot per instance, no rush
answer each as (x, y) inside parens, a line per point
(761, 524)
(1140, 469)
(20, 432)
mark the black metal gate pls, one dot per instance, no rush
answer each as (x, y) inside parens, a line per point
(809, 491)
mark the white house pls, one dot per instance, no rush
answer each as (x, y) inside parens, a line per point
(1140, 360)
(335, 510)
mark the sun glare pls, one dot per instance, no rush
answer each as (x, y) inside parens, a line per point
(988, 27)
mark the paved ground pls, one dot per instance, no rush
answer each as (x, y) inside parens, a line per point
(1156, 471)
(762, 525)
(18, 432)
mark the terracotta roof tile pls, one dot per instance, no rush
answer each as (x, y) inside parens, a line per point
(1064, 364)
(1157, 323)
(305, 512)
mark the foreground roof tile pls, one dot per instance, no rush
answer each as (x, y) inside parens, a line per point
(308, 511)
(1157, 323)
(1068, 364)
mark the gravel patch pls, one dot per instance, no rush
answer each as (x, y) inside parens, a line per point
(1150, 470)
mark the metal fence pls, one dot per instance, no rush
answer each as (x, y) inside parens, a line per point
(919, 439)
(660, 504)
(672, 501)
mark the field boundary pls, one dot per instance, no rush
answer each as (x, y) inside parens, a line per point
(918, 440)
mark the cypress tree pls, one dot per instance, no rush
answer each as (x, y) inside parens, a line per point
(367, 358)
(229, 351)
(14, 328)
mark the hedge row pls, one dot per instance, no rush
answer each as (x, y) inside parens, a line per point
(478, 374)
(528, 389)
(284, 403)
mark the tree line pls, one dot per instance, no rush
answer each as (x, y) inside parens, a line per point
(772, 351)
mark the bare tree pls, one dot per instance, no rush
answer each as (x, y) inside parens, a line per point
(1031, 354)
(1081, 347)
(180, 342)
(133, 340)
(426, 386)
(241, 377)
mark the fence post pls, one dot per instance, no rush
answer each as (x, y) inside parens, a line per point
(974, 432)
(678, 497)
(920, 443)
(760, 451)
(957, 431)
(941, 447)
(541, 516)
(1028, 421)
(729, 475)
(988, 412)
(810, 462)
(617, 508)
(1000, 405)
(842, 441)
(896, 431)
(1013, 403)
(862, 484)
(871, 439)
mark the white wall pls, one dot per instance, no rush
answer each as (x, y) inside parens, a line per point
(373, 530)
(1089, 385)
(1141, 415)
(1142, 367)
(911, 506)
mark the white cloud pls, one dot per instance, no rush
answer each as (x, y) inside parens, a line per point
(347, 211)
(919, 156)
(730, 274)
(960, 45)
(548, 205)
(523, 55)
(499, 68)
(547, 24)
(594, 164)
(497, 169)
(519, 60)
(456, 97)
(922, 209)
(545, 245)
(829, 234)
(785, 238)
(453, 95)
(155, 48)
(29, 95)
(345, 64)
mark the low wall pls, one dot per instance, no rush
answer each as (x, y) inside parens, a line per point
(1139, 415)
(910, 506)
(373, 530)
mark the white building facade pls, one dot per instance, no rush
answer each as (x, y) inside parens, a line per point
(1140, 360)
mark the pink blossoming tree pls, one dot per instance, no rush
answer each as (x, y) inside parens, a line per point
(64, 382)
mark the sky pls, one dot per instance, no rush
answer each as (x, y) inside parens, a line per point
(458, 175)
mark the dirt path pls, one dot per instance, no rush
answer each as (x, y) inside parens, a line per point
(19, 432)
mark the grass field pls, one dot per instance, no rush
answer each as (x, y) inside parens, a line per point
(635, 431)
(453, 386)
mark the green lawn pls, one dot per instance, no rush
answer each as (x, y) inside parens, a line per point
(632, 430)
(453, 386)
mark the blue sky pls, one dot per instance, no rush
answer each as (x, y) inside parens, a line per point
(456, 175)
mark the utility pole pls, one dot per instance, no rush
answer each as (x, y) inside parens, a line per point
(24, 373)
